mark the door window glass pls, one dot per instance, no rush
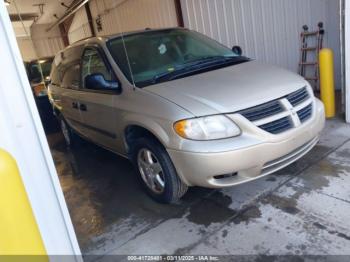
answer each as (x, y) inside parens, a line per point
(93, 63)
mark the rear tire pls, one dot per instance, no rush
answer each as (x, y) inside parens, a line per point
(70, 137)
(163, 183)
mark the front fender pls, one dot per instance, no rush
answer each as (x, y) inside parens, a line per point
(161, 129)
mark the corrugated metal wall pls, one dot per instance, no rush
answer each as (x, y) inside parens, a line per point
(79, 28)
(130, 15)
(267, 30)
(123, 15)
(27, 49)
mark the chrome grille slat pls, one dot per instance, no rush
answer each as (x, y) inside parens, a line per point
(298, 97)
(278, 126)
(305, 113)
(262, 111)
(276, 117)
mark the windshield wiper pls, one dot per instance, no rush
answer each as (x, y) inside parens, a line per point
(193, 66)
(189, 66)
(204, 60)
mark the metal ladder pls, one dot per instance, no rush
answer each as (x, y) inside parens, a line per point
(306, 37)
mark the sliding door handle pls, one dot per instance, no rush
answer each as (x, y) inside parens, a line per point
(83, 107)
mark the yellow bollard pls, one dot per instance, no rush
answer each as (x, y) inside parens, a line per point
(327, 81)
(19, 233)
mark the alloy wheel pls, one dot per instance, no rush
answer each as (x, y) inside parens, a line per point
(151, 171)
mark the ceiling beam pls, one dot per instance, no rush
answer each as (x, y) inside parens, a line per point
(89, 16)
(23, 17)
(74, 7)
(64, 34)
(179, 15)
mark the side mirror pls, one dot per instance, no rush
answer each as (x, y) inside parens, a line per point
(98, 82)
(237, 50)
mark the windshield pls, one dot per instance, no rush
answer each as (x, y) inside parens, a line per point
(39, 69)
(157, 53)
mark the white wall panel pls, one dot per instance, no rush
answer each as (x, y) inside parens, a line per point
(130, 15)
(333, 18)
(267, 30)
(80, 27)
(48, 46)
(27, 49)
(347, 58)
(46, 43)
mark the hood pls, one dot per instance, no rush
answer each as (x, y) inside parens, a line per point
(230, 89)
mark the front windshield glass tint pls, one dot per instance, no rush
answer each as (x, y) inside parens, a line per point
(157, 52)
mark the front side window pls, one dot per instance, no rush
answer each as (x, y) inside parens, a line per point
(93, 63)
(155, 54)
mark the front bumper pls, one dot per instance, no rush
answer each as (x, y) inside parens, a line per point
(263, 154)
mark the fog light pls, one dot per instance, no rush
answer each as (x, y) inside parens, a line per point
(226, 176)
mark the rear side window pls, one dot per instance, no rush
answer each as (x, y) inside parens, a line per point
(71, 77)
(93, 63)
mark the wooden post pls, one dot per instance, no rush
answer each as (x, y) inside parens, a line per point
(89, 16)
(180, 18)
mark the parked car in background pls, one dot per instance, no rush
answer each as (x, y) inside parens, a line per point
(38, 72)
(186, 110)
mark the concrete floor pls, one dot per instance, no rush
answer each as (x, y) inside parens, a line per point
(302, 210)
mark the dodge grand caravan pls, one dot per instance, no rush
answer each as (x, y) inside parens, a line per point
(184, 109)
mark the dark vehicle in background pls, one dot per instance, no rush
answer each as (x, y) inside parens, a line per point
(38, 72)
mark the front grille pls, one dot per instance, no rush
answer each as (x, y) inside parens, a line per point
(305, 113)
(278, 126)
(298, 97)
(263, 111)
(282, 114)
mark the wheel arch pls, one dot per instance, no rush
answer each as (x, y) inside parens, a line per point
(135, 131)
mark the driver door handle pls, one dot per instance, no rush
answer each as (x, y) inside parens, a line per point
(83, 107)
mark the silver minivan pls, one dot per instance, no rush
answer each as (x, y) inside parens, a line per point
(186, 110)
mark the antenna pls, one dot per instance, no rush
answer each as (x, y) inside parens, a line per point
(126, 54)
(128, 60)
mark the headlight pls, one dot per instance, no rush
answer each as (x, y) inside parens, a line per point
(207, 128)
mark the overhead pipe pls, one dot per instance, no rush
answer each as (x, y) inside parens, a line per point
(24, 17)
(69, 12)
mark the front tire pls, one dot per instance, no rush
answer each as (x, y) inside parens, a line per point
(157, 172)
